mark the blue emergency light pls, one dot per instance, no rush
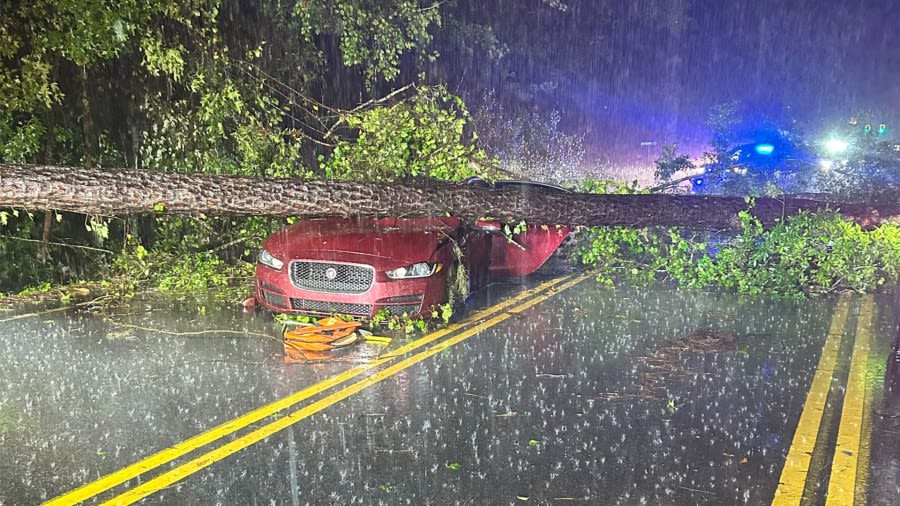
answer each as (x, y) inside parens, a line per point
(764, 149)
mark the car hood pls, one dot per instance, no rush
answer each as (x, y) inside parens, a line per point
(362, 240)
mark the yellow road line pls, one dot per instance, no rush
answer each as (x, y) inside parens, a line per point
(179, 473)
(874, 381)
(842, 483)
(796, 465)
(182, 448)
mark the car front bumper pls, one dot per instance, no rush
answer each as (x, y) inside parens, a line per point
(412, 297)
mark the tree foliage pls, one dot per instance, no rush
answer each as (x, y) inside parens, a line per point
(671, 163)
(200, 85)
(373, 34)
(805, 254)
(210, 86)
(427, 135)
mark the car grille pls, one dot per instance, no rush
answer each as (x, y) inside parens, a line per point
(324, 307)
(348, 278)
(401, 309)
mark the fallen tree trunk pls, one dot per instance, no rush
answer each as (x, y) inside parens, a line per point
(124, 191)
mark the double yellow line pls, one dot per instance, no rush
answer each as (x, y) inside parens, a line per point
(476, 323)
(850, 454)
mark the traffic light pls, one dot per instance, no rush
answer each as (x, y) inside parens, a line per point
(867, 129)
(882, 130)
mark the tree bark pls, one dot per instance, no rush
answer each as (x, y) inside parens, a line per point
(127, 191)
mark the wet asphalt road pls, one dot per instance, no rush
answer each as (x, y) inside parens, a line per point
(590, 397)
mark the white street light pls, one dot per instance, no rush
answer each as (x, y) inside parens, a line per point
(836, 146)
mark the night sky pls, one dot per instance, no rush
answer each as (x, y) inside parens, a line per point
(652, 69)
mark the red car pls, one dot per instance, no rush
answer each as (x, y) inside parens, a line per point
(361, 266)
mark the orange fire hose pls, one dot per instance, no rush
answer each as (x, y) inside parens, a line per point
(327, 334)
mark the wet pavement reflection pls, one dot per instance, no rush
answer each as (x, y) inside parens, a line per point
(597, 396)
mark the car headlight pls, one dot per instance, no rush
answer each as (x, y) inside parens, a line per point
(269, 260)
(419, 270)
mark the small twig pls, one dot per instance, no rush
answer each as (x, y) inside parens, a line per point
(613, 396)
(275, 80)
(492, 166)
(696, 490)
(192, 332)
(432, 6)
(383, 99)
(50, 243)
(365, 105)
(671, 184)
(512, 241)
(300, 133)
(54, 310)
(231, 243)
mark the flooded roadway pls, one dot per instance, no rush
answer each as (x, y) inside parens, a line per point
(571, 394)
